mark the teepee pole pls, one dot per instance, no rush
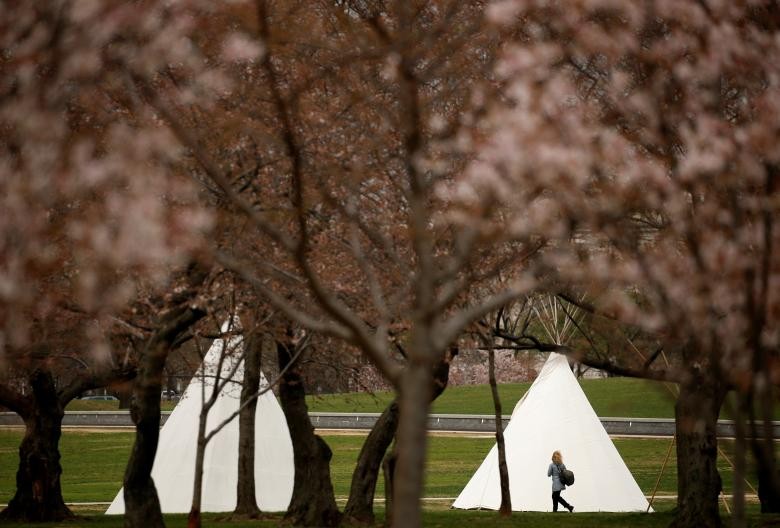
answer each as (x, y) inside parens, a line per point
(542, 318)
(725, 502)
(660, 474)
(731, 464)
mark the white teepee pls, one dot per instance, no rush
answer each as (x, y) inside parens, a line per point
(555, 415)
(174, 464)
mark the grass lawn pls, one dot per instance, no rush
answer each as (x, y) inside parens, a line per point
(431, 518)
(609, 397)
(93, 464)
(436, 518)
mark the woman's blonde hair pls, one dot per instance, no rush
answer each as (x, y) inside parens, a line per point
(557, 458)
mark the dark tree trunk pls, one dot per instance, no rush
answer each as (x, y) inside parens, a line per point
(411, 444)
(506, 500)
(767, 486)
(762, 445)
(246, 502)
(738, 508)
(698, 481)
(193, 520)
(142, 506)
(360, 505)
(388, 469)
(38, 495)
(313, 502)
(124, 391)
(170, 383)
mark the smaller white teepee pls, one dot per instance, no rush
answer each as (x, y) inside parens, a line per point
(174, 465)
(555, 415)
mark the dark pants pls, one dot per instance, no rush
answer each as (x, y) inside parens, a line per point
(556, 497)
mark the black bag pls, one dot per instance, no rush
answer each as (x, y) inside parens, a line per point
(566, 476)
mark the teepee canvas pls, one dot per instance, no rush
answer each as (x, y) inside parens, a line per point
(174, 464)
(555, 415)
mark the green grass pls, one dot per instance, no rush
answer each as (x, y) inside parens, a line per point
(433, 517)
(609, 397)
(437, 518)
(93, 463)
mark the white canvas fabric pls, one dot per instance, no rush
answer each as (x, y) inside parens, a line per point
(555, 415)
(174, 464)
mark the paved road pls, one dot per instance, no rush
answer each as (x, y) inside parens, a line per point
(363, 421)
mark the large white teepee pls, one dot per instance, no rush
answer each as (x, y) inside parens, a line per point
(174, 464)
(555, 415)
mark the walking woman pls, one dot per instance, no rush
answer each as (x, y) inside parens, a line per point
(554, 471)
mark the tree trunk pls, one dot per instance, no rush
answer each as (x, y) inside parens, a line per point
(246, 501)
(762, 444)
(767, 485)
(124, 391)
(388, 469)
(142, 506)
(506, 500)
(193, 520)
(360, 505)
(698, 481)
(313, 502)
(766, 465)
(38, 495)
(738, 509)
(411, 444)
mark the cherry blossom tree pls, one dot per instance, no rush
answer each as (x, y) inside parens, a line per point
(642, 137)
(347, 121)
(93, 213)
(56, 371)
